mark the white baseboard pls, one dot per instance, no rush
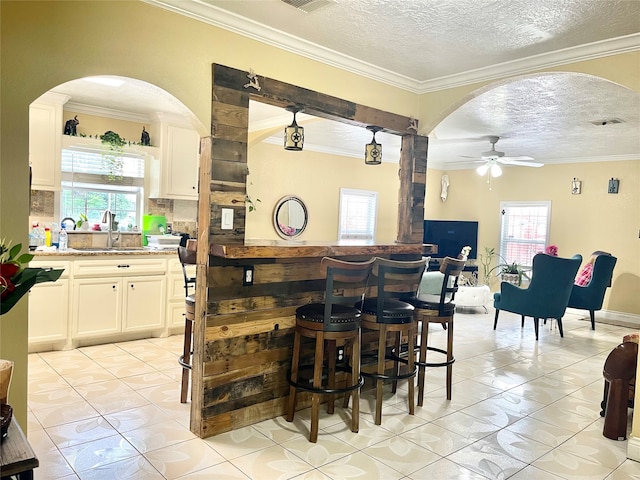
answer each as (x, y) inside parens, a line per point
(610, 316)
(633, 448)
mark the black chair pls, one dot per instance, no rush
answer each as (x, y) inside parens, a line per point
(437, 309)
(187, 257)
(591, 296)
(547, 295)
(333, 321)
(386, 313)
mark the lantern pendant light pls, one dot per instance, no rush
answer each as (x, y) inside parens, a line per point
(294, 134)
(373, 150)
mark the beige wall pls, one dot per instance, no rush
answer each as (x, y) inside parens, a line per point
(593, 220)
(48, 43)
(317, 178)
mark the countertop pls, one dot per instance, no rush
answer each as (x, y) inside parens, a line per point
(97, 251)
(292, 250)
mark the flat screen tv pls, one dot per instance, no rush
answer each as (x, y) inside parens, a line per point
(450, 236)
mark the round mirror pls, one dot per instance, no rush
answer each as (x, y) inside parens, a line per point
(290, 217)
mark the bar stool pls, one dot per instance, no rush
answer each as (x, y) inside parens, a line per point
(386, 313)
(187, 257)
(440, 308)
(332, 321)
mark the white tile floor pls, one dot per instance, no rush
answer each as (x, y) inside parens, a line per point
(521, 409)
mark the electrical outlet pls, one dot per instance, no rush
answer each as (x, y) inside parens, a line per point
(340, 354)
(247, 275)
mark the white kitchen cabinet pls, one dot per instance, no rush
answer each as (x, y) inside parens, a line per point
(175, 174)
(45, 130)
(114, 296)
(49, 309)
(97, 307)
(144, 304)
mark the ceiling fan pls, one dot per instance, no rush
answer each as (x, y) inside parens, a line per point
(493, 157)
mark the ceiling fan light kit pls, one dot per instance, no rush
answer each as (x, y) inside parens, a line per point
(493, 158)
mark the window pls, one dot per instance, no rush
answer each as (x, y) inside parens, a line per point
(524, 230)
(90, 185)
(358, 210)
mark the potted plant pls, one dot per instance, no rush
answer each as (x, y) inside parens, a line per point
(511, 272)
(15, 281)
(113, 155)
(81, 223)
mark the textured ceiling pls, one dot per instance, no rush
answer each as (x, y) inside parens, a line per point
(425, 45)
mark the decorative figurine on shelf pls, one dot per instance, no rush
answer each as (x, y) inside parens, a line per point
(70, 126)
(145, 139)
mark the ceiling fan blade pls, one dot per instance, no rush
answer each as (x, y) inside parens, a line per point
(517, 157)
(516, 161)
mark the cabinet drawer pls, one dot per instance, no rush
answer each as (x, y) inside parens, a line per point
(121, 267)
(66, 265)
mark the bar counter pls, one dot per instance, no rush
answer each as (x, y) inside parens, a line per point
(275, 249)
(242, 352)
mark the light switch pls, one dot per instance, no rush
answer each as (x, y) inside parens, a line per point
(227, 219)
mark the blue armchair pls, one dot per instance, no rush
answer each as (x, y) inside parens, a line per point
(591, 296)
(547, 295)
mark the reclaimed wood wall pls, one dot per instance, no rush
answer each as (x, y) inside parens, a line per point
(243, 334)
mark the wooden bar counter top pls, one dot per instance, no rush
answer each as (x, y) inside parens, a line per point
(276, 249)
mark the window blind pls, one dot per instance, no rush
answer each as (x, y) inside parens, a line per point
(358, 210)
(524, 230)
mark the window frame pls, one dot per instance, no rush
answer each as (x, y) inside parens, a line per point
(534, 245)
(361, 236)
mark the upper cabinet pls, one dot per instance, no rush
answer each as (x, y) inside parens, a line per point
(175, 175)
(45, 130)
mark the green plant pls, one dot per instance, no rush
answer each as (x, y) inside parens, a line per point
(504, 267)
(252, 206)
(16, 279)
(113, 156)
(82, 218)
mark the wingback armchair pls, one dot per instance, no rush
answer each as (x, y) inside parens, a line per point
(548, 292)
(590, 296)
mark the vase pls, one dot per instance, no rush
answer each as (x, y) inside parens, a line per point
(512, 278)
(6, 372)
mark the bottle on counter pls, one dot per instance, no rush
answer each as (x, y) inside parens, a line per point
(33, 237)
(47, 236)
(64, 239)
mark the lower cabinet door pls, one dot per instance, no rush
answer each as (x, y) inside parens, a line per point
(97, 306)
(144, 303)
(49, 312)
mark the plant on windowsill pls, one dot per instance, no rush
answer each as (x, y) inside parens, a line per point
(112, 156)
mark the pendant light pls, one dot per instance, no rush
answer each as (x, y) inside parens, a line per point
(294, 134)
(373, 150)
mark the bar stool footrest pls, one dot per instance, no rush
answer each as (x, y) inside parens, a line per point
(308, 387)
(381, 376)
(183, 363)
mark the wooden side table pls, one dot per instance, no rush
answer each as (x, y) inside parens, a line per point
(16, 455)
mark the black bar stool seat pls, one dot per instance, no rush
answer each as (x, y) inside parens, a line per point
(431, 308)
(386, 313)
(331, 323)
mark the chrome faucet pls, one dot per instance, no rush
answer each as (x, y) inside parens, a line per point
(108, 218)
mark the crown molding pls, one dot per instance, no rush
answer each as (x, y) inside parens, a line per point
(226, 20)
(590, 51)
(106, 112)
